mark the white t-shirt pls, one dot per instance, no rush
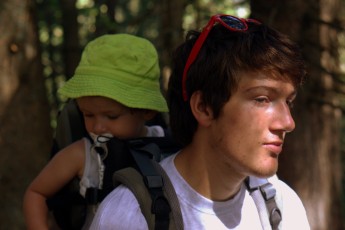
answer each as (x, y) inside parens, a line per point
(120, 209)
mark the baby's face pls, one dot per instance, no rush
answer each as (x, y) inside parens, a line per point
(107, 117)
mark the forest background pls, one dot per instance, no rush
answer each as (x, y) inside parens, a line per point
(40, 46)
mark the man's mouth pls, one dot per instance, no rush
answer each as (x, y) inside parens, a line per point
(274, 147)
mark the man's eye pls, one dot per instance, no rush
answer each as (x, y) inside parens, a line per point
(262, 99)
(290, 104)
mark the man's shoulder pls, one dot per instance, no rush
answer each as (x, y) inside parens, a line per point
(120, 197)
(119, 202)
(282, 188)
(283, 191)
(290, 205)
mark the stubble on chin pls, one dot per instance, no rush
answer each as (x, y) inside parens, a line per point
(267, 168)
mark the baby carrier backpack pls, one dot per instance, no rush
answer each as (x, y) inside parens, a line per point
(140, 172)
(134, 163)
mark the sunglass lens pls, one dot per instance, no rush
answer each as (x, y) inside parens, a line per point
(233, 22)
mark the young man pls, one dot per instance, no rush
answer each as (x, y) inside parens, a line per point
(230, 95)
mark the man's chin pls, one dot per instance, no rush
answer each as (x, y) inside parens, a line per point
(266, 172)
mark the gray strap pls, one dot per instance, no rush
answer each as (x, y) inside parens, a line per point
(132, 179)
(268, 193)
(261, 207)
(175, 215)
(263, 194)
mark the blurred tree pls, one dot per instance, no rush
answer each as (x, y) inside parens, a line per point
(311, 162)
(71, 47)
(66, 26)
(49, 22)
(170, 33)
(105, 20)
(25, 133)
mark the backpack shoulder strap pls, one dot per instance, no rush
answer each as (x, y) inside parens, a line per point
(152, 188)
(263, 194)
(132, 179)
(70, 125)
(176, 215)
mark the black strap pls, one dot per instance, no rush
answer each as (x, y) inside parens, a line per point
(268, 193)
(153, 181)
(71, 126)
(176, 215)
(92, 196)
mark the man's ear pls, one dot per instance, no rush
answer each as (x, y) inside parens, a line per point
(202, 113)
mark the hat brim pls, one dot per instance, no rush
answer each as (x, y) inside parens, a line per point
(133, 96)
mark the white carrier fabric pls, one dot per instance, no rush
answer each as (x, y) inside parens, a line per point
(90, 176)
(199, 212)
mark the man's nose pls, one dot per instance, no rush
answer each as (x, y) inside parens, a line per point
(283, 119)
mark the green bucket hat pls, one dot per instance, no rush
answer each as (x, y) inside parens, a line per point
(121, 67)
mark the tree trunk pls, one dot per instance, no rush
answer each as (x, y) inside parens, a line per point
(311, 161)
(25, 133)
(71, 46)
(170, 35)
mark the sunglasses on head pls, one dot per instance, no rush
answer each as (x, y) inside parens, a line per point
(230, 22)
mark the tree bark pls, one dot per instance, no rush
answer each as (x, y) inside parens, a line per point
(170, 33)
(25, 133)
(311, 161)
(71, 46)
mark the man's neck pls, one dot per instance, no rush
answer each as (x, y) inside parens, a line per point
(209, 177)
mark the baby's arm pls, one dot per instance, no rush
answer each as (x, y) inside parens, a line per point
(63, 167)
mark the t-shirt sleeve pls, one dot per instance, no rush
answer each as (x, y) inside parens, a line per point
(119, 210)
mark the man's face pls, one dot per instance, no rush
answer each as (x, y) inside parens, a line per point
(248, 136)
